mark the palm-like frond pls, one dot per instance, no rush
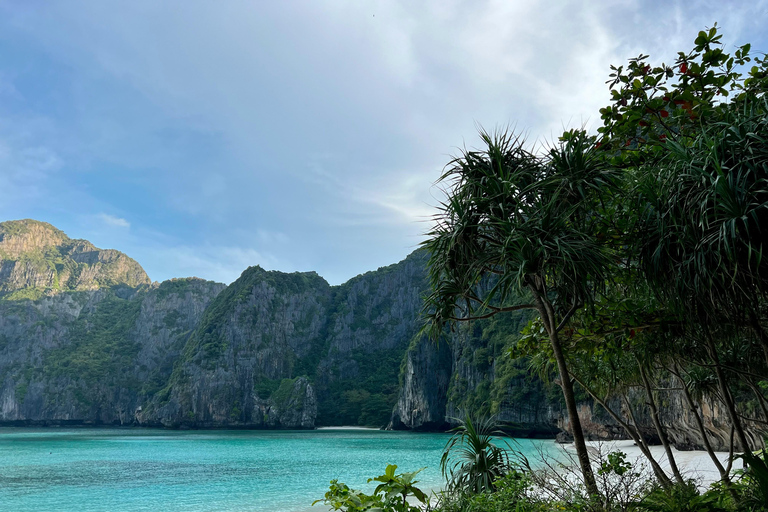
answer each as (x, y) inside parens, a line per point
(704, 225)
(511, 218)
(471, 460)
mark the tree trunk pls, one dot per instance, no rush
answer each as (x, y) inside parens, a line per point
(730, 453)
(657, 469)
(573, 417)
(566, 385)
(634, 433)
(705, 437)
(727, 398)
(657, 423)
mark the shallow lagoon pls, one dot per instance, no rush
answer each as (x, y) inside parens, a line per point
(89, 470)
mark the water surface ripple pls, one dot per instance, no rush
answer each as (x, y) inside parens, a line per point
(100, 470)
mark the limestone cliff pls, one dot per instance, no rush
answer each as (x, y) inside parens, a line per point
(426, 377)
(470, 369)
(93, 356)
(374, 317)
(675, 415)
(85, 338)
(344, 343)
(37, 259)
(245, 349)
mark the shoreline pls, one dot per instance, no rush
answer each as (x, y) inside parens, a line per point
(693, 464)
(349, 427)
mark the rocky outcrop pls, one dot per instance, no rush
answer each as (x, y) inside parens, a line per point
(39, 260)
(93, 357)
(469, 370)
(678, 420)
(269, 328)
(296, 407)
(422, 403)
(532, 409)
(255, 333)
(85, 338)
(373, 318)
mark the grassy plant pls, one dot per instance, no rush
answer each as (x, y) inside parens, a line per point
(471, 461)
(754, 482)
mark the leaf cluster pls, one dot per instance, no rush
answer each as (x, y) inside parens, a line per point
(515, 221)
(471, 460)
(391, 495)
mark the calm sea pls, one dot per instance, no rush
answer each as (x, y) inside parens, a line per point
(89, 470)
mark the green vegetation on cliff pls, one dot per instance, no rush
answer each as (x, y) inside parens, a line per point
(100, 346)
(210, 339)
(492, 382)
(267, 327)
(37, 259)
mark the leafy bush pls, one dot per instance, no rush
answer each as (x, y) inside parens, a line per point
(753, 485)
(685, 498)
(514, 493)
(391, 495)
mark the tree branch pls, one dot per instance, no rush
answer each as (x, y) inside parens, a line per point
(494, 310)
(568, 316)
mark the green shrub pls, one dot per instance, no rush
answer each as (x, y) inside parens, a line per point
(753, 485)
(391, 495)
(513, 494)
(685, 498)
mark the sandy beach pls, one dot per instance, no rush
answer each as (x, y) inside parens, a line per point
(345, 427)
(695, 464)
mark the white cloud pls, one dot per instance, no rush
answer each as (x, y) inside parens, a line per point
(111, 220)
(308, 131)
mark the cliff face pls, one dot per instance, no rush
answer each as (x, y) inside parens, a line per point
(39, 260)
(470, 370)
(85, 338)
(675, 415)
(237, 366)
(272, 339)
(426, 377)
(373, 319)
(93, 356)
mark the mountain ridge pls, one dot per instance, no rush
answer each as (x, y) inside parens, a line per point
(37, 259)
(270, 350)
(262, 352)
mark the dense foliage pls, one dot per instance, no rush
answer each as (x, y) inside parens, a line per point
(642, 251)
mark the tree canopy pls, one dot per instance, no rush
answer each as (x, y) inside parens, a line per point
(642, 247)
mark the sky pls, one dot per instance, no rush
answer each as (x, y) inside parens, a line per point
(204, 137)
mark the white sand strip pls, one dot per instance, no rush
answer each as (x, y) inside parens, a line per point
(345, 427)
(695, 464)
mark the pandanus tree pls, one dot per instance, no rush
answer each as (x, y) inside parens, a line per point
(670, 198)
(519, 224)
(699, 167)
(705, 230)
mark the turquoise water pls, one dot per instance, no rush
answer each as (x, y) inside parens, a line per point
(90, 470)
